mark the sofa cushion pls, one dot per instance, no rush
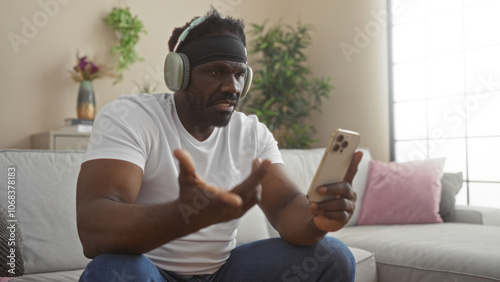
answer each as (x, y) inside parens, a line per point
(302, 165)
(46, 199)
(402, 193)
(60, 276)
(451, 184)
(366, 269)
(477, 215)
(429, 252)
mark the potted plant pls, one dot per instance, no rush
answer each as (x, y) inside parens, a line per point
(128, 28)
(288, 92)
(84, 72)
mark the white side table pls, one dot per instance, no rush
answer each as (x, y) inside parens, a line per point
(60, 140)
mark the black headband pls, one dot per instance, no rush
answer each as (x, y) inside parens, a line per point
(214, 48)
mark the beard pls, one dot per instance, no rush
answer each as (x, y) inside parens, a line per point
(204, 112)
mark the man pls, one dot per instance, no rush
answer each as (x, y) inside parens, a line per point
(167, 176)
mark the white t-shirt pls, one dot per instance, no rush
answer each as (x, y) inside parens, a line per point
(145, 130)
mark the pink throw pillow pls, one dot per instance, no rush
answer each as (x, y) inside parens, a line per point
(402, 193)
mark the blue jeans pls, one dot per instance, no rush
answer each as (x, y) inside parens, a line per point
(265, 260)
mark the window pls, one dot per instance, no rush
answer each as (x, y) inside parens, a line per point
(445, 89)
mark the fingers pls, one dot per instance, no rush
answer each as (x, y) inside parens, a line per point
(339, 210)
(259, 170)
(250, 189)
(230, 199)
(333, 206)
(337, 190)
(247, 193)
(343, 189)
(186, 164)
(340, 206)
(190, 181)
(218, 205)
(353, 167)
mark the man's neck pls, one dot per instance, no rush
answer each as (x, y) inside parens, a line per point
(198, 130)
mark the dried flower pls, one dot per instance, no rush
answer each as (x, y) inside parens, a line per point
(87, 70)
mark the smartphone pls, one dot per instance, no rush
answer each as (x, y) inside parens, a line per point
(335, 162)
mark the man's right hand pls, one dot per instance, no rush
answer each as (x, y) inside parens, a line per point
(203, 204)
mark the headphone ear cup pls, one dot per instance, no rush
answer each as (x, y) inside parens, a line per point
(176, 71)
(248, 82)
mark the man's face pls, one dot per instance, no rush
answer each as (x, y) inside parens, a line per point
(214, 91)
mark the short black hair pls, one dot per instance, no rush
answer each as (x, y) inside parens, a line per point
(214, 23)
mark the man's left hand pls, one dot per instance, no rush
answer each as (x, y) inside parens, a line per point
(332, 215)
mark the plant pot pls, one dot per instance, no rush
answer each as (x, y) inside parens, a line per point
(86, 101)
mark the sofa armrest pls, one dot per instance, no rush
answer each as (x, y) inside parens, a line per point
(477, 215)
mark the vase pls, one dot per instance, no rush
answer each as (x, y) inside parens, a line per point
(86, 101)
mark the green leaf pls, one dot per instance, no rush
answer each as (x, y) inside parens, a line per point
(121, 19)
(287, 92)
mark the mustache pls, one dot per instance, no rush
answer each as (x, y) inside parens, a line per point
(224, 97)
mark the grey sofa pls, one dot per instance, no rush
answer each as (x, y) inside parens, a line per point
(452, 251)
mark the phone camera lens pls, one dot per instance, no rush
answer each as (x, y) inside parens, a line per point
(345, 144)
(336, 147)
(340, 138)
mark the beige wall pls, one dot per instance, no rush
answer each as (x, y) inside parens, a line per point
(359, 74)
(37, 94)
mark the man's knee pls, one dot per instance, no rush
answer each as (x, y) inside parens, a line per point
(332, 250)
(119, 267)
(329, 260)
(333, 246)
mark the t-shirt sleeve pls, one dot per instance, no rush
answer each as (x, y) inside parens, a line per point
(122, 130)
(269, 145)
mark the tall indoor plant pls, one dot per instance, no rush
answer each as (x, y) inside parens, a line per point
(286, 91)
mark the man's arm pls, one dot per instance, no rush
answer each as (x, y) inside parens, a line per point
(109, 221)
(299, 221)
